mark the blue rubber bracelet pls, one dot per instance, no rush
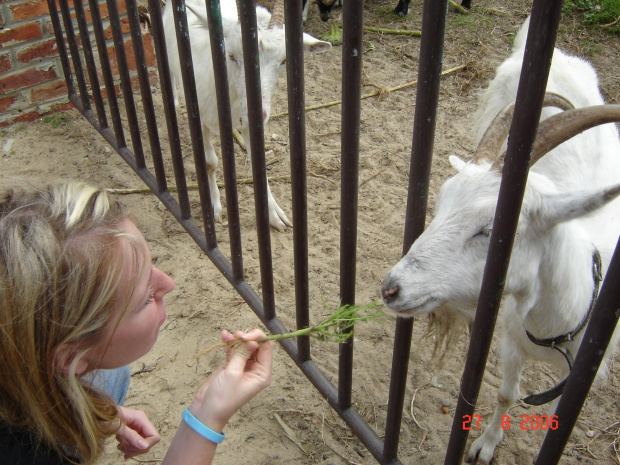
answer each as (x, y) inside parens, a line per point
(202, 429)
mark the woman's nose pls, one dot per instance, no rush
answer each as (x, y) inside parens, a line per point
(162, 283)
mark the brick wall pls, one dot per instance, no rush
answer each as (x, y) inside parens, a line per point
(31, 77)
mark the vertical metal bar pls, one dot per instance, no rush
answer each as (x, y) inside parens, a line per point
(75, 53)
(90, 62)
(62, 49)
(218, 54)
(352, 25)
(545, 18)
(249, 32)
(106, 71)
(193, 115)
(589, 357)
(145, 92)
(123, 71)
(171, 116)
(427, 95)
(297, 144)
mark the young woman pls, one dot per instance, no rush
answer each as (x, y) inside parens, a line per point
(80, 299)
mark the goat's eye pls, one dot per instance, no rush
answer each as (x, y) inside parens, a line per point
(232, 58)
(283, 62)
(485, 232)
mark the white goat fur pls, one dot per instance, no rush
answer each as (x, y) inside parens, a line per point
(272, 56)
(549, 283)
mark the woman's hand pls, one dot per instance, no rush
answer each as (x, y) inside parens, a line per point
(137, 434)
(247, 372)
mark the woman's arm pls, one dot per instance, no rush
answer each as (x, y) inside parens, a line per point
(246, 373)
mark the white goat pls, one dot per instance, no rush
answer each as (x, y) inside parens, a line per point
(272, 56)
(568, 212)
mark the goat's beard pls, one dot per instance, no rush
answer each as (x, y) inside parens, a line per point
(446, 324)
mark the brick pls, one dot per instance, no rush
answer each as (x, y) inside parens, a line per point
(5, 63)
(25, 79)
(149, 50)
(149, 53)
(27, 117)
(45, 49)
(69, 2)
(20, 33)
(29, 10)
(124, 28)
(105, 13)
(6, 102)
(48, 91)
(62, 107)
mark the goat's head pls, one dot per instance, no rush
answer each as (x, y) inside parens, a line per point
(442, 271)
(272, 55)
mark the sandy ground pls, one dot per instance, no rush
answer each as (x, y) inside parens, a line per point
(204, 303)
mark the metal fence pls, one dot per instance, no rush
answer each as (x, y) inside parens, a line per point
(84, 88)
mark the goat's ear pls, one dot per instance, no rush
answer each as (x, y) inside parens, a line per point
(456, 162)
(262, 16)
(312, 45)
(558, 208)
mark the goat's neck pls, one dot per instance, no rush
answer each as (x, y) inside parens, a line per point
(564, 284)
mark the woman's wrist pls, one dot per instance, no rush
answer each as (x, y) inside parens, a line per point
(206, 417)
(202, 429)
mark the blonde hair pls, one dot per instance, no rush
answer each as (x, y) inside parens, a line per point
(61, 270)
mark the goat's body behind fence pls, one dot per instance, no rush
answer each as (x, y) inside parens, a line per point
(568, 217)
(272, 52)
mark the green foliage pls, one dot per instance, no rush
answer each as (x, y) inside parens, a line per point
(604, 13)
(336, 327)
(55, 120)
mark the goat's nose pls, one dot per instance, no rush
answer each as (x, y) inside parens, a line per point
(390, 293)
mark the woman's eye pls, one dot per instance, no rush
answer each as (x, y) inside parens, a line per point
(150, 299)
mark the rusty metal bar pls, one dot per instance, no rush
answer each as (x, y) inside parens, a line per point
(545, 19)
(60, 43)
(89, 60)
(123, 71)
(299, 180)
(249, 32)
(106, 71)
(169, 109)
(218, 53)
(147, 97)
(427, 95)
(589, 357)
(352, 30)
(75, 53)
(193, 115)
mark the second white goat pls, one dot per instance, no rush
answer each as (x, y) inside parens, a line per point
(569, 219)
(272, 56)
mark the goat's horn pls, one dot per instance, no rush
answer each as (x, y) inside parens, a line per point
(550, 100)
(494, 136)
(277, 14)
(561, 127)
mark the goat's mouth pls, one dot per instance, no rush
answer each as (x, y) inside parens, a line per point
(425, 305)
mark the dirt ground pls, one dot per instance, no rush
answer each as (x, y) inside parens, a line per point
(204, 303)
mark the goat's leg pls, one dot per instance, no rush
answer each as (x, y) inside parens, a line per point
(481, 451)
(211, 159)
(277, 218)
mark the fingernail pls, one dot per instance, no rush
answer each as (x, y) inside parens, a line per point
(142, 444)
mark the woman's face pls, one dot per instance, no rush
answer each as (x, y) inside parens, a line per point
(136, 327)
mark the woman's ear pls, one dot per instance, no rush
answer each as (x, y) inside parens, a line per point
(64, 356)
